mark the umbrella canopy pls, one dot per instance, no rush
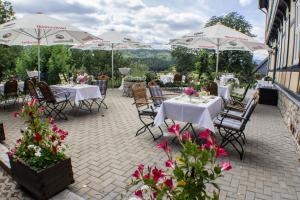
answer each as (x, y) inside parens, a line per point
(110, 41)
(219, 38)
(39, 29)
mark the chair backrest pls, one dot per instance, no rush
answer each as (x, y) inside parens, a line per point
(213, 88)
(248, 113)
(46, 92)
(156, 94)
(177, 78)
(63, 78)
(103, 77)
(102, 84)
(246, 90)
(152, 83)
(11, 88)
(31, 88)
(139, 94)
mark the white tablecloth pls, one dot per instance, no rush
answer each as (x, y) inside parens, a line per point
(166, 78)
(196, 112)
(78, 92)
(262, 83)
(20, 85)
(225, 79)
(224, 91)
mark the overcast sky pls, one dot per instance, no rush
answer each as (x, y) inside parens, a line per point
(150, 21)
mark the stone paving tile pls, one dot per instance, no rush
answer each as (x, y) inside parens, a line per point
(105, 151)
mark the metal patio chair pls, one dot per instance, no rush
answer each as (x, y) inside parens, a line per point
(54, 104)
(103, 84)
(146, 110)
(240, 97)
(213, 88)
(234, 127)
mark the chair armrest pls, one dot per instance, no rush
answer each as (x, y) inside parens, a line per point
(227, 115)
(230, 107)
(157, 98)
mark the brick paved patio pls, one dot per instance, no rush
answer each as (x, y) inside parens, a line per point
(105, 152)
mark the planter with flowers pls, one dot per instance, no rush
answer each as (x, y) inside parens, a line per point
(38, 161)
(186, 176)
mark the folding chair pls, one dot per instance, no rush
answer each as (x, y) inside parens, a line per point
(53, 103)
(234, 127)
(102, 83)
(240, 97)
(145, 110)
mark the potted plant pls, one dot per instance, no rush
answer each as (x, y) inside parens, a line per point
(38, 161)
(186, 176)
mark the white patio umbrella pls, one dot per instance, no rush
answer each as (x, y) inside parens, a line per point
(110, 41)
(39, 29)
(219, 38)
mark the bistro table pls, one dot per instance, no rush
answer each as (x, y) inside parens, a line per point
(224, 91)
(197, 110)
(80, 94)
(20, 87)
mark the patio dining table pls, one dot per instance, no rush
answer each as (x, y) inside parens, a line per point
(20, 87)
(197, 110)
(78, 93)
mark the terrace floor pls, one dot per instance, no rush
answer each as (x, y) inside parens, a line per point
(105, 152)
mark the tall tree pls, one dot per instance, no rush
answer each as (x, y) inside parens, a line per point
(185, 59)
(8, 54)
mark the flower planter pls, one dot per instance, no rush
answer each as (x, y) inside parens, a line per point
(45, 183)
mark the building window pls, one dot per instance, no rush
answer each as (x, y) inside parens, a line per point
(297, 30)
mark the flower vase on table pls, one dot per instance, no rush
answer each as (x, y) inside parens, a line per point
(38, 161)
(189, 91)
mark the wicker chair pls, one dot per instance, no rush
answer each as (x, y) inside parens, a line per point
(102, 82)
(10, 92)
(234, 126)
(53, 103)
(145, 110)
(213, 88)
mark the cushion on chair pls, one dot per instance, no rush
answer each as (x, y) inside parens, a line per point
(156, 92)
(229, 123)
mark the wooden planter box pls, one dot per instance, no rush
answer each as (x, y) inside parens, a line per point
(45, 183)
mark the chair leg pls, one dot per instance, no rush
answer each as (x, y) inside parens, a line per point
(146, 127)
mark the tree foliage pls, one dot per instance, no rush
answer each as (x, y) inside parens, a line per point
(185, 59)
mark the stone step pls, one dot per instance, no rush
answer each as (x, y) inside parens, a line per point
(4, 163)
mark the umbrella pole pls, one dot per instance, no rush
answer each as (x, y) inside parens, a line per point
(112, 65)
(218, 51)
(39, 56)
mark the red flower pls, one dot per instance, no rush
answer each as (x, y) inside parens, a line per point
(186, 136)
(170, 163)
(139, 193)
(22, 131)
(169, 183)
(38, 137)
(41, 109)
(164, 146)
(136, 174)
(174, 129)
(11, 152)
(19, 141)
(220, 152)
(141, 167)
(226, 166)
(154, 195)
(54, 128)
(189, 91)
(16, 114)
(157, 174)
(204, 134)
(147, 176)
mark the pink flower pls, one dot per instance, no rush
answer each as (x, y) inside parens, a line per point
(204, 134)
(16, 114)
(32, 103)
(138, 193)
(12, 152)
(136, 174)
(51, 120)
(42, 109)
(37, 137)
(174, 129)
(226, 166)
(169, 183)
(170, 163)
(164, 146)
(220, 152)
(189, 91)
(19, 141)
(186, 136)
(157, 174)
(141, 167)
(147, 176)
(54, 128)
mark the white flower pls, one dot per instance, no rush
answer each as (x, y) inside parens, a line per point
(38, 154)
(31, 146)
(55, 143)
(145, 187)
